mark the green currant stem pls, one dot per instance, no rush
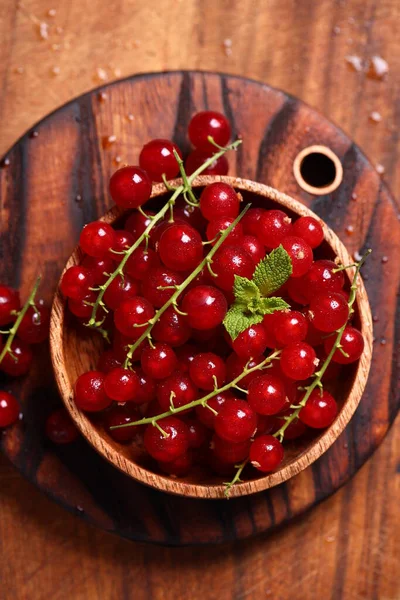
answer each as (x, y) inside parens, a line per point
(203, 401)
(180, 288)
(154, 219)
(12, 332)
(320, 373)
(235, 479)
(186, 183)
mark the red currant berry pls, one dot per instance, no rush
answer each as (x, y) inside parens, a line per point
(98, 267)
(83, 308)
(207, 416)
(121, 415)
(297, 290)
(159, 362)
(228, 452)
(159, 278)
(230, 261)
(294, 430)
(310, 230)
(121, 345)
(9, 409)
(250, 221)
(266, 453)
(157, 159)
(147, 389)
(320, 410)
(216, 226)
(180, 247)
(130, 187)
(34, 327)
(108, 361)
(236, 421)
(300, 254)
(140, 263)
(177, 390)
(172, 328)
(253, 247)
(290, 327)
(205, 307)
(266, 425)
(315, 337)
(121, 384)
(235, 366)
(273, 227)
(352, 343)
(251, 342)
(298, 361)
(322, 278)
(209, 123)
(178, 467)
(132, 316)
(120, 289)
(97, 238)
(198, 432)
(60, 428)
(220, 467)
(76, 281)
(332, 372)
(267, 394)
(219, 200)
(137, 223)
(208, 371)
(269, 324)
(163, 448)
(328, 312)
(123, 241)
(185, 355)
(189, 214)
(17, 362)
(90, 394)
(9, 301)
(197, 158)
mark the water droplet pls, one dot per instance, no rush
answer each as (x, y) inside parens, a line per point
(377, 68)
(375, 318)
(51, 12)
(349, 229)
(43, 30)
(117, 72)
(130, 117)
(336, 30)
(351, 20)
(55, 71)
(355, 62)
(102, 96)
(108, 140)
(59, 30)
(354, 196)
(384, 259)
(345, 445)
(80, 508)
(380, 169)
(357, 256)
(383, 342)
(20, 70)
(117, 160)
(330, 538)
(375, 116)
(5, 163)
(101, 74)
(227, 46)
(78, 199)
(34, 134)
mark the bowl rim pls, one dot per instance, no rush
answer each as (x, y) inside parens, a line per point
(216, 491)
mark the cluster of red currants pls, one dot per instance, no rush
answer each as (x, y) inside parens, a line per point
(167, 355)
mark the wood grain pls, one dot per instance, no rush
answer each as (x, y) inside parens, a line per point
(350, 543)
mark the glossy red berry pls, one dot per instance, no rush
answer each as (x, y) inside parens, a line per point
(83, 308)
(9, 409)
(230, 261)
(121, 384)
(17, 362)
(157, 159)
(209, 123)
(189, 214)
(198, 432)
(178, 467)
(207, 416)
(228, 452)
(130, 187)
(273, 227)
(147, 388)
(236, 421)
(352, 343)
(198, 157)
(34, 327)
(297, 290)
(235, 366)
(99, 268)
(121, 415)
(328, 312)
(132, 316)
(290, 327)
(298, 361)
(252, 245)
(267, 394)
(300, 254)
(123, 241)
(310, 230)
(252, 342)
(180, 247)
(141, 262)
(294, 430)
(9, 302)
(137, 223)
(60, 428)
(76, 281)
(172, 328)
(185, 356)
(97, 238)
(160, 284)
(320, 410)
(269, 323)
(217, 225)
(208, 371)
(205, 306)
(177, 389)
(120, 289)
(108, 361)
(250, 221)
(322, 278)
(266, 453)
(163, 448)
(160, 361)
(90, 394)
(219, 200)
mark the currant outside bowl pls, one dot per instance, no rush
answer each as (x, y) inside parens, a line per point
(75, 349)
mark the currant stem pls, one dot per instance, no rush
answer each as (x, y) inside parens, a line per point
(236, 478)
(12, 332)
(203, 401)
(320, 373)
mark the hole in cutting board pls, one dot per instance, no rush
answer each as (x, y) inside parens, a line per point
(318, 170)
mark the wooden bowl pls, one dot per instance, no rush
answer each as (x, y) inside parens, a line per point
(74, 350)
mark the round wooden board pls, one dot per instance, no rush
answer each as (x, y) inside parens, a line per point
(57, 181)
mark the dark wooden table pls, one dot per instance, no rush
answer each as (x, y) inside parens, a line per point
(347, 547)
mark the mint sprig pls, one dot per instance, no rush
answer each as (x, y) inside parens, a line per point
(252, 297)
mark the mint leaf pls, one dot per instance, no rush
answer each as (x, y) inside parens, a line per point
(245, 290)
(236, 320)
(270, 305)
(273, 271)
